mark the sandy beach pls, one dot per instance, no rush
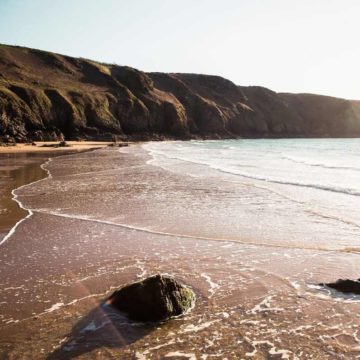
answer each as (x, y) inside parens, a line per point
(50, 146)
(21, 165)
(108, 217)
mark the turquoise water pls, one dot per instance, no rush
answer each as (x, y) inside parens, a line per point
(312, 186)
(331, 165)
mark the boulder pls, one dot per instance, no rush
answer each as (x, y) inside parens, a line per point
(154, 299)
(345, 286)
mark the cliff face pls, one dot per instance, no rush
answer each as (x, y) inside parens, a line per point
(302, 115)
(325, 116)
(46, 96)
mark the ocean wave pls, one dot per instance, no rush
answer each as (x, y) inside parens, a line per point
(228, 241)
(332, 167)
(347, 191)
(231, 171)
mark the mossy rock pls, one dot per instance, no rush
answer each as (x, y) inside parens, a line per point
(153, 299)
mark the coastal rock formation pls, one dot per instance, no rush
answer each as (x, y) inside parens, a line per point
(325, 116)
(156, 298)
(345, 286)
(47, 96)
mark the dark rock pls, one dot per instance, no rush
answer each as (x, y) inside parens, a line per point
(153, 299)
(9, 139)
(63, 144)
(345, 286)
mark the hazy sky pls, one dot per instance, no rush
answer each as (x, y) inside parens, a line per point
(286, 45)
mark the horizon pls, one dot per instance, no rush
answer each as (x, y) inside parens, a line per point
(208, 38)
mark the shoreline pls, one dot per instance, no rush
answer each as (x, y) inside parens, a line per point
(14, 197)
(9, 155)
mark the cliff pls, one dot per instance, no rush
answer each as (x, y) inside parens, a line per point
(47, 96)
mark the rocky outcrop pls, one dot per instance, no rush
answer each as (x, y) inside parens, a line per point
(212, 105)
(272, 116)
(47, 96)
(345, 285)
(153, 299)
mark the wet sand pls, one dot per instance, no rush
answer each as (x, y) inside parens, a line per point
(108, 217)
(21, 165)
(16, 170)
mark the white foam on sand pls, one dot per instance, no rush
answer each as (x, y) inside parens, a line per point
(196, 328)
(284, 354)
(21, 206)
(141, 355)
(265, 306)
(212, 285)
(54, 307)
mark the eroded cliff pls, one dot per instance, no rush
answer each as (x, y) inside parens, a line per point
(47, 96)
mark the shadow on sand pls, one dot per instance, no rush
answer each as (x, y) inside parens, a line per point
(103, 326)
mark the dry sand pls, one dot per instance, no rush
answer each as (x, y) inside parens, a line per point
(39, 147)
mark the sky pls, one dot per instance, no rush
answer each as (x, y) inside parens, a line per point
(285, 45)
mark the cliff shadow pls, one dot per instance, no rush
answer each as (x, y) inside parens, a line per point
(102, 326)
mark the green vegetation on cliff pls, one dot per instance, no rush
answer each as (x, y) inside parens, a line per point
(46, 96)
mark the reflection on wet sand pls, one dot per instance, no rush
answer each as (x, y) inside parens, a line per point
(16, 170)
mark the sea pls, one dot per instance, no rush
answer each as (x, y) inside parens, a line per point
(309, 188)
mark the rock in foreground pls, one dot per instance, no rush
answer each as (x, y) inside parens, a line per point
(153, 299)
(346, 286)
